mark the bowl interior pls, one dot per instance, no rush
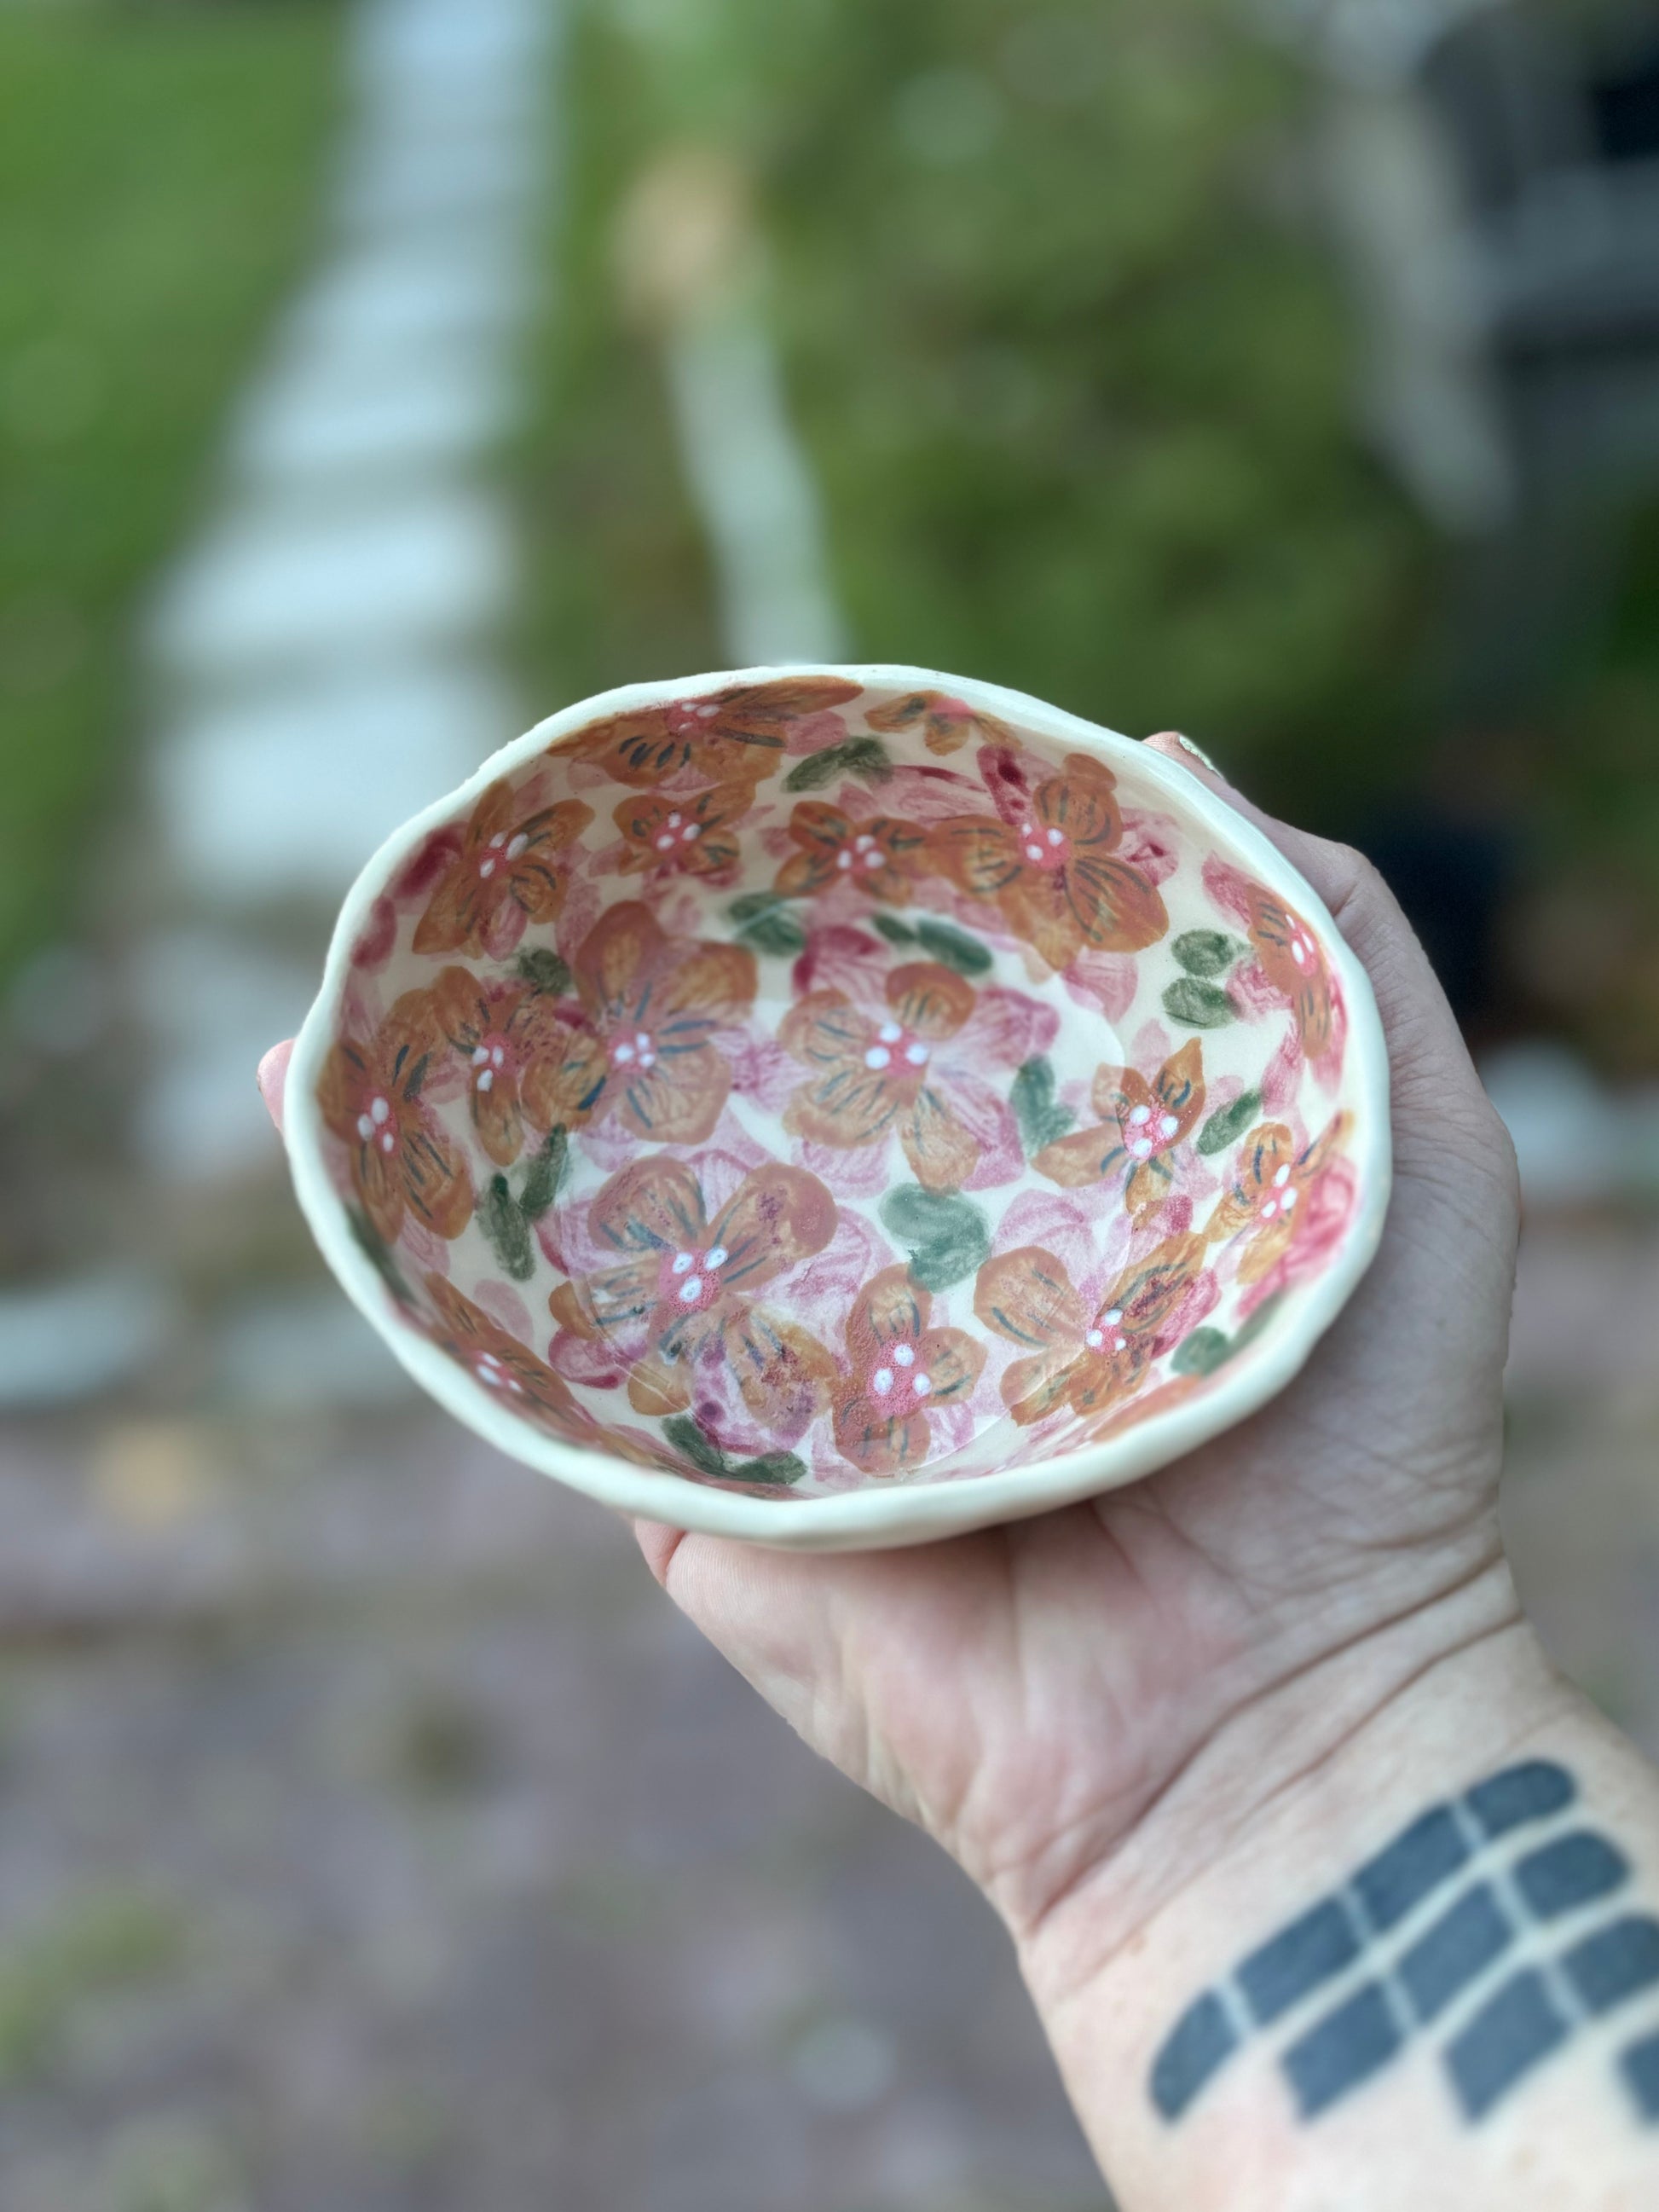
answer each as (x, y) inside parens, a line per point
(807, 1085)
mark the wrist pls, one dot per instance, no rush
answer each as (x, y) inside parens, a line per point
(1450, 1685)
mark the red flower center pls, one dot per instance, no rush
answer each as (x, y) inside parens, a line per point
(894, 1051)
(377, 1124)
(1043, 847)
(860, 854)
(1107, 1334)
(689, 1282)
(500, 852)
(1278, 1198)
(490, 1056)
(632, 1049)
(495, 1373)
(898, 1383)
(1148, 1129)
(689, 718)
(675, 835)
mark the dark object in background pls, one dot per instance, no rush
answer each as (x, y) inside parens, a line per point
(1451, 874)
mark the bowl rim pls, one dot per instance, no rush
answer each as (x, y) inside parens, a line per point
(874, 1516)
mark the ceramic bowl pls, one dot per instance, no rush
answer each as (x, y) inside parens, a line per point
(839, 1106)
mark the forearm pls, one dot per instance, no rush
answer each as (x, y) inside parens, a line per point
(1425, 1973)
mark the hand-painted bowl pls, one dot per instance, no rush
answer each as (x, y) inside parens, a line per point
(840, 1106)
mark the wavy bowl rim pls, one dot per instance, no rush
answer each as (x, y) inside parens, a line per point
(871, 1518)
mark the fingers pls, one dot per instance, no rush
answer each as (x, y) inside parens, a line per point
(1430, 1060)
(273, 1076)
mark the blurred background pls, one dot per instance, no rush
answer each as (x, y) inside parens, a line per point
(377, 376)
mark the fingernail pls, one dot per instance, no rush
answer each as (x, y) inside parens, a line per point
(1197, 752)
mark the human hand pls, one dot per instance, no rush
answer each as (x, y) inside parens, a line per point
(1030, 1693)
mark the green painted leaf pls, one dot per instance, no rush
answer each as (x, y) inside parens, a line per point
(545, 1174)
(753, 904)
(1202, 1352)
(1227, 1123)
(508, 1232)
(779, 933)
(1258, 1321)
(1207, 1349)
(1206, 951)
(540, 966)
(1032, 1098)
(953, 948)
(774, 1467)
(1198, 1005)
(380, 1254)
(946, 1235)
(867, 758)
(689, 1440)
(895, 930)
(818, 769)
(766, 922)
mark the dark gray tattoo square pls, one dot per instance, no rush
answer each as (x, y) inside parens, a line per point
(1429, 1852)
(1297, 1960)
(1344, 2048)
(1200, 2042)
(1531, 1791)
(1510, 2034)
(1575, 1870)
(1614, 1963)
(1462, 1944)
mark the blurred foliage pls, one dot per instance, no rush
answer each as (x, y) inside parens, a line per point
(617, 587)
(1064, 345)
(1067, 340)
(158, 175)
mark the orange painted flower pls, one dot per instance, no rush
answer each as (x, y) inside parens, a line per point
(736, 735)
(881, 856)
(1273, 1179)
(509, 1370)
(903, 1371)
(693, 835)
(1047, 861)
(1140, 1125)
(872, 1074)
(1294, 964)
(505, 874)
(1085, 1358)
(642, 1042)
(525, 1059)
(401, 1160)
(947, 724)
(680, 1298)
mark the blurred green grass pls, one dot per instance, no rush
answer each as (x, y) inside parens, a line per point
(159, 172)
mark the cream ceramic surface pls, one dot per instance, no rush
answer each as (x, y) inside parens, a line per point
(840, 1106)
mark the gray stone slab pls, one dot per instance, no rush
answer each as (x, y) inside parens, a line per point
(284, 793)
(437, 287)
(61, 1342)
(330, 414)
(437, 42)
(211, 1005)
(279, 583)
(305, 1352)
(408, 176)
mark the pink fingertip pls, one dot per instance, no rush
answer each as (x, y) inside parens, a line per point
(273, 1076)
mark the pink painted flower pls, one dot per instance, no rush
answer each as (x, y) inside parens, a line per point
(904, 1374)
(1141, 1125)
(903, 1053)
